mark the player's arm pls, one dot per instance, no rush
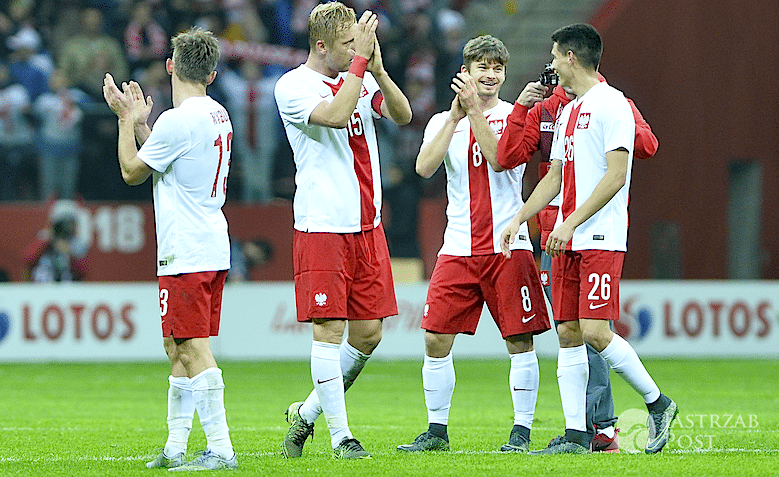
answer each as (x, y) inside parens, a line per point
(134, 170)
(338, 112)
(395, 105)
(546, 190)
(609, 185)
(432, 154)
(646, 141)
(519, 140)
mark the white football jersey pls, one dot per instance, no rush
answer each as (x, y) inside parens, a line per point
(337, 170)
(189, 150)
(481, 202)
(589, 127)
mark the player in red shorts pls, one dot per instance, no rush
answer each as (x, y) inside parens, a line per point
(341, 261)
(530, 128)
(188, 155)
(470, 269)
(592, 156)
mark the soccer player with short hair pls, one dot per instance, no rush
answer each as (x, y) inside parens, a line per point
(187, 153)
(592, 156)
(530, 128)
(470, 269)
(328, 106)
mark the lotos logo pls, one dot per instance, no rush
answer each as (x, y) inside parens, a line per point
(321, 299)
(633, 324)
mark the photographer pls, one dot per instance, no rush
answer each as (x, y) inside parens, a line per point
(57, 254)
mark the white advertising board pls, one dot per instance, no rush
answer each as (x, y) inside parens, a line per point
(96, 322)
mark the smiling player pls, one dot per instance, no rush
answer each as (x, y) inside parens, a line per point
(470, 269)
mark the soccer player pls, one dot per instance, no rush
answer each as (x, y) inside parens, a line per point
(592, 156)
(188, 156)
(470, 269)
(529, 128)
(341, 261)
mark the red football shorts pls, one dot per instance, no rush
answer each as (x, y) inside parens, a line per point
(585, 284)
(511, 288)
(343, 275)
(191, 304)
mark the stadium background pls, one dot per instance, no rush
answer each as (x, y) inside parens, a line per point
(704, 209)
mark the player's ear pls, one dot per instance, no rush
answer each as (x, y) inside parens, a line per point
(211, 78)
(463, 69)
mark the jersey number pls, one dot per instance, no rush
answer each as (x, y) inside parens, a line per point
(163, 301)
(600, 283)
(218, 143)
(355, 126)
(476, 155)
(527, 305)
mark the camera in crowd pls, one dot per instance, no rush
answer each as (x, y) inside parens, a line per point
(548, 77)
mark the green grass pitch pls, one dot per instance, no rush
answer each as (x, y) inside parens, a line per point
(109, 419)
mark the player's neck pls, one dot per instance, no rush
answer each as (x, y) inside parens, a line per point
(183, 91)
(584, 81)
(318, 64)
(488, 102)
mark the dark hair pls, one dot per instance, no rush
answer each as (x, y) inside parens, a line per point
(583, 40)
(485, 48)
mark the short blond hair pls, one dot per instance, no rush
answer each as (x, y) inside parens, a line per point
(327, 20)
(195, 54)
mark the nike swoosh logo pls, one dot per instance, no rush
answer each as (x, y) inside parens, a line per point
(525, 320)
(319, 381)
(593, 306)
(521, 389)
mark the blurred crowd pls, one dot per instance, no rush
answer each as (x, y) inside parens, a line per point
(58, 139)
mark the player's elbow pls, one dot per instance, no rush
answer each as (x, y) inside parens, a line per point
(424, 171)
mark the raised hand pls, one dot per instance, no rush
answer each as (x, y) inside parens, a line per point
(533, 93)
(376, 64)
(365, 34)
(141, 107)
(465, 87)
(120, 103)
(456, 111)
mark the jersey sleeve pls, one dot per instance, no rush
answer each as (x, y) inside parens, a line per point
(520, 139)
(646, 142)
(433, 126)
(618, 124)
(558, 139)
(374, 92)
(169, 140)
(296, 100)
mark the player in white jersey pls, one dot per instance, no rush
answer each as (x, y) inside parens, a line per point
(188, 156)
(592, 154)
(470, 269)
(341, 260)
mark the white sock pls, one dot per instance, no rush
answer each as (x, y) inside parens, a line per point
(523, 381)
(572, 375)
(181, 411)
(623, 359)
(607, 431)
(438, 383)
(352, 362)
(329, 386)
(208, 393)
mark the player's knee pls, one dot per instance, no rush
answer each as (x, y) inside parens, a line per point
(438, 345)
(596, 338)
(367, 341)
(569, 335)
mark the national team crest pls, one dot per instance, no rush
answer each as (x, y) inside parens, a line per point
(544, 278)
(583, 121)
(320, 299)
(497, 127)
